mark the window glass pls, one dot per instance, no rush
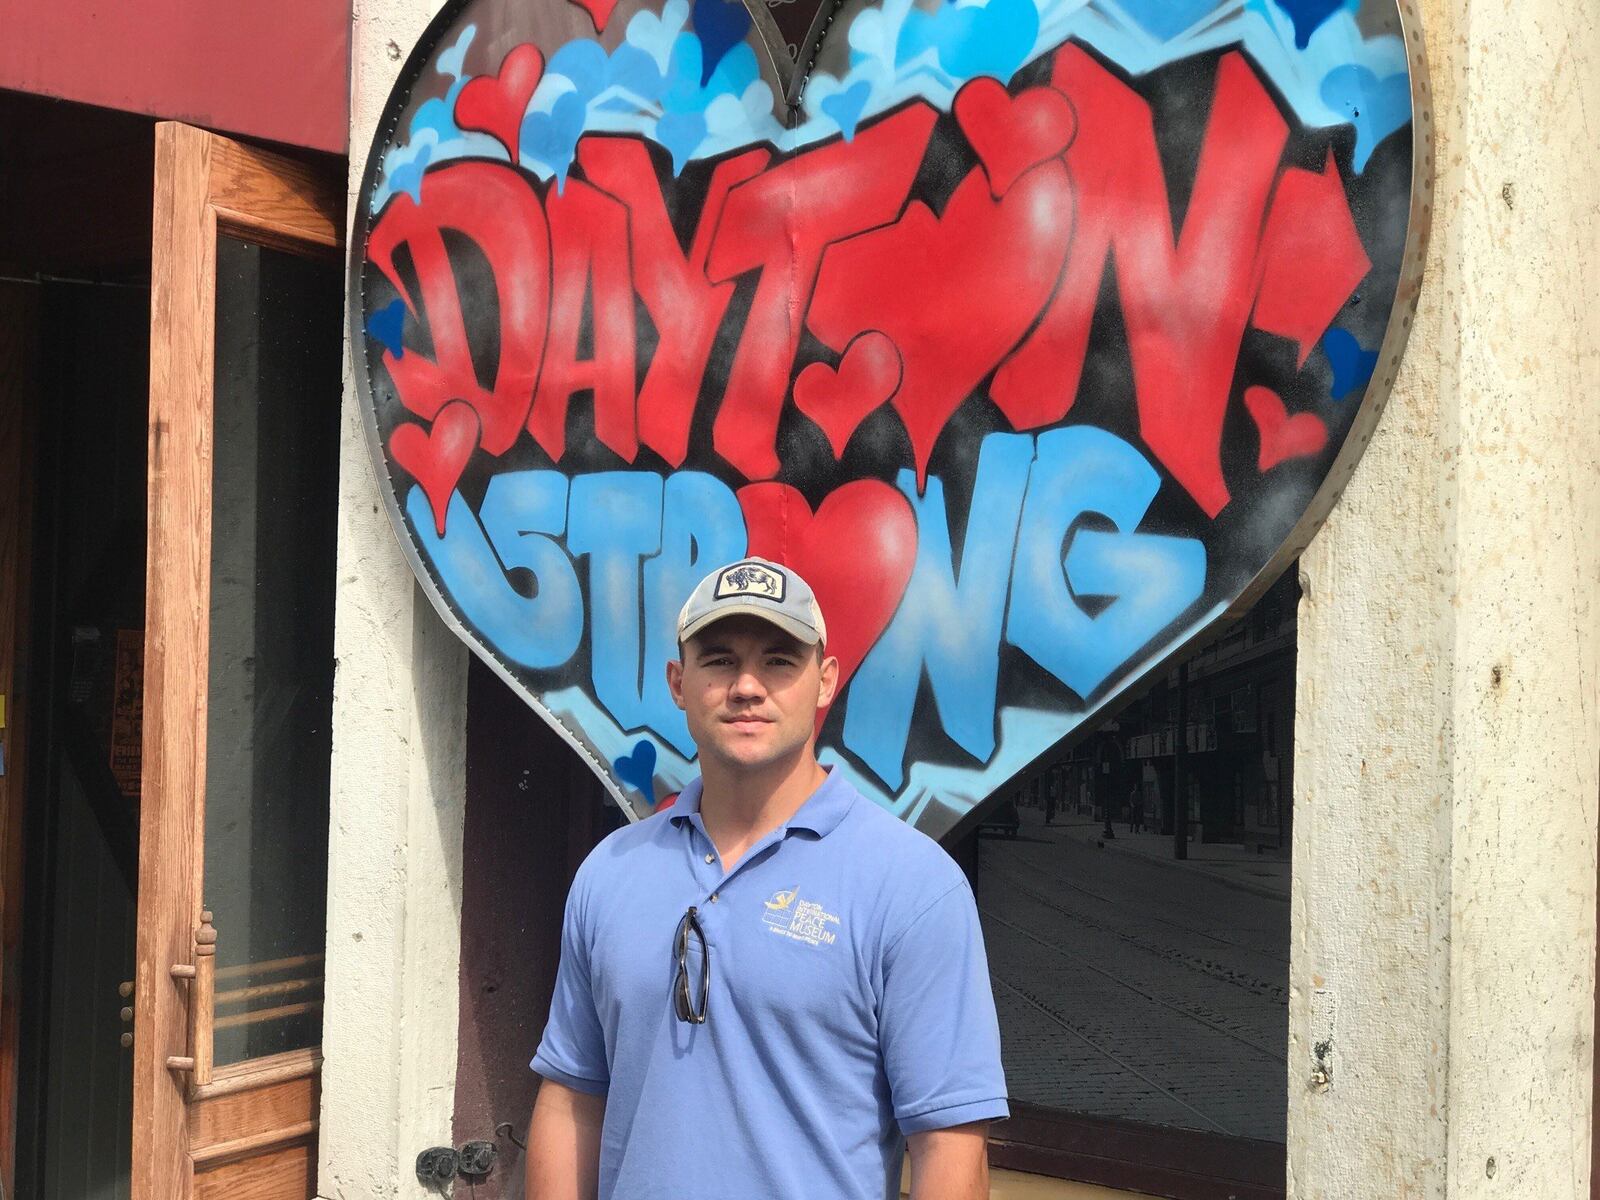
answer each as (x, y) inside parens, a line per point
(1132, 983)
(271, 670)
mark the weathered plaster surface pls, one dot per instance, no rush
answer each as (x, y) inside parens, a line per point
(389, 1035)
(1448, 730)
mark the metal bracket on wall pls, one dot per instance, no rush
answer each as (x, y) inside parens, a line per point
(436, 1166)
(476, 1160)
(506, 1130)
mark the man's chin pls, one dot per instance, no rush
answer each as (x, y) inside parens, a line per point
(753, 754)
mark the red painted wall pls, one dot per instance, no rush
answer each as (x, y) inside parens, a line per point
(276, 69)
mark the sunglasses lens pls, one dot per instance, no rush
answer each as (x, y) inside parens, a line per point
(682, 997)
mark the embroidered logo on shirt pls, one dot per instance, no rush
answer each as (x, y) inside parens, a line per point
(805, 921)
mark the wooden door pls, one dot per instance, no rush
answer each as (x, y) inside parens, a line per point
(246, 255)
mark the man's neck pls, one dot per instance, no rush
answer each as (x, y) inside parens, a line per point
(739, 807)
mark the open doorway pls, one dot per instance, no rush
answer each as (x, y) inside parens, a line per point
(75, 203)
(170, 330)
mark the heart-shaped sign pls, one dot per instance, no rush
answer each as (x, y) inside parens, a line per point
(996, 320)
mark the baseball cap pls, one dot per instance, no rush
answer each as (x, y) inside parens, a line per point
(759, 588)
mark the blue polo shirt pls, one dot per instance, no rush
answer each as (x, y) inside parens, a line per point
(849, 1005)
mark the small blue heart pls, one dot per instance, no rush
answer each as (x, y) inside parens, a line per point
(584, 63)
(1352, 366)
(635, 72)
(680, 133)
(387, 325)
(972, 41)
(637, 769)
(721, 25)
(452, 62)
(1166, 19)
(1308, 16)
(845, 107)
(1376, 107)
(407, 177)
(552, 137)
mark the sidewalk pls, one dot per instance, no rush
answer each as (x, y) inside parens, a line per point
(1263, 874)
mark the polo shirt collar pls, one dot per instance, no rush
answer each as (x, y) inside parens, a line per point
(820, 814)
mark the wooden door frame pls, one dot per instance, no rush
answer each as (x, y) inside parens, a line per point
(204, 184)
(19, 331)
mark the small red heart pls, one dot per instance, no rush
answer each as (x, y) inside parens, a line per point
(435, 459)
(1013, 134)
(1283, 436)
(856, 551)
(599, 11)
(839, 399)
(494, 104)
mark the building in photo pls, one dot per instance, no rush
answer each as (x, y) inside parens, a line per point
(1185, 411)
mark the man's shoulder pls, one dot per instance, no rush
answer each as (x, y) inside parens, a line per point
(911, 865)
(881, 825)
(620, 849)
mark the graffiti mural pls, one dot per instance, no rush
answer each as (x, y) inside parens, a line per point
(1036, 334)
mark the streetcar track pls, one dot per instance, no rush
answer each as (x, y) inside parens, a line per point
(1058, 1019)
(1222, 974)
(1215, 937)
(1276, 1055)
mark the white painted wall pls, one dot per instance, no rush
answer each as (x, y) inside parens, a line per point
(394, 872)
(1448, 713)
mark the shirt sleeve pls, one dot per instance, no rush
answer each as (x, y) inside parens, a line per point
(937, 1025)
(573, 1049)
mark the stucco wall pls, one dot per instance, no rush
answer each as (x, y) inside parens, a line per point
(1446, 726)
(389, 1034)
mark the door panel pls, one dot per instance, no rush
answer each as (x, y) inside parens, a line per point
(244, 395)
(18, 350)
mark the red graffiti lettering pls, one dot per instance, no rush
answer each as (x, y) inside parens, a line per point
(1312, 257)
(685, 307)
(589, 237)
(780, 223)
(954, 293)
(498, 210)
(1186, 302)
(1004, 280)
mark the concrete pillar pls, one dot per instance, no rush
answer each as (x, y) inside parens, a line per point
(1448, 712)
(394, 871)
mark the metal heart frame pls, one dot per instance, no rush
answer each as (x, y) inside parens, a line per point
(1081, 315)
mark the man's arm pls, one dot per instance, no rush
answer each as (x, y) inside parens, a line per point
(948, 1164)
(564, 1144)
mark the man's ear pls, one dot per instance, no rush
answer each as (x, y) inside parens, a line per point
(830, 681)
(675, 681)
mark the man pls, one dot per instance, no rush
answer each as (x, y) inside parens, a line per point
(769, 988)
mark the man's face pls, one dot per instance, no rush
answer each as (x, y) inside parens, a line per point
(750, 691)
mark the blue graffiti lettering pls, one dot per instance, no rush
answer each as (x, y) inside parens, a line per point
(522, 514)
(701, 528)
(1152, 578)
(616, 523)
(946, 627)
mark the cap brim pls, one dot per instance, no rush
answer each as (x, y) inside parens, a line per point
(798, 630)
